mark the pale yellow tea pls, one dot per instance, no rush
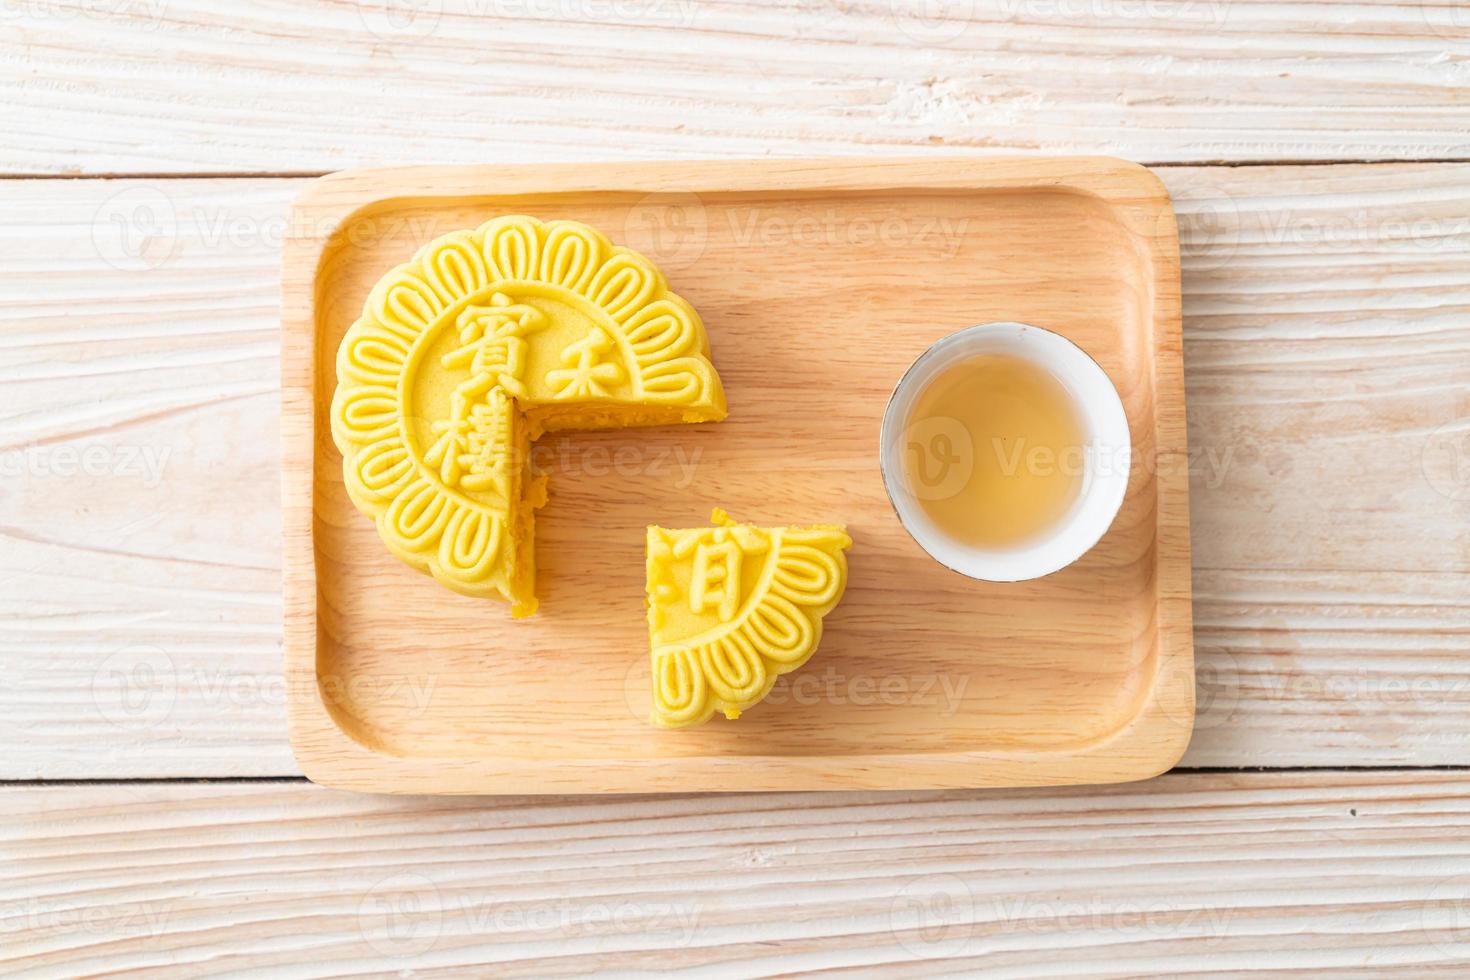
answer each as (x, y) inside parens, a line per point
(993, 451)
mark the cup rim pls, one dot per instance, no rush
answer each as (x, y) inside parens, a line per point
(1053, 551)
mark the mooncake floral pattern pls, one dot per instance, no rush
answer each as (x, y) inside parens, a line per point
(751, 600)
(458, 356)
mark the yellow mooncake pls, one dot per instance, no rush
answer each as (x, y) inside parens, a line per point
(468, 352)
(734, 606)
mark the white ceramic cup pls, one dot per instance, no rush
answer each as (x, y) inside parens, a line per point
(1106, 456)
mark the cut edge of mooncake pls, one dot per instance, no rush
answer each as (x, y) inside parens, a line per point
(733, 607)
(465, 354)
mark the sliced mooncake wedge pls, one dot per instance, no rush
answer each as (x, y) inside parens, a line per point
(734, 606)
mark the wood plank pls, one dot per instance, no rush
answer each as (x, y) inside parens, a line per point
(141, 522)
(1327, 318)
(188, 88)
(1189, 872)
(1327, 327)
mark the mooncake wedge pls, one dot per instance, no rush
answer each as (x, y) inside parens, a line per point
(733, 607)
(468, 352)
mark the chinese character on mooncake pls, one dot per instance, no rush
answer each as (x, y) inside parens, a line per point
(467, 353)
(733, 607)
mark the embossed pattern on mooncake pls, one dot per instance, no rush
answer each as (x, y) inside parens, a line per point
(732, 607)
(466, 353)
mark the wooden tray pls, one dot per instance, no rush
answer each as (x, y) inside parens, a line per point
(819, 281)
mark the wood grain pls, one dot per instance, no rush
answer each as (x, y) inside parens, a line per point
(201, 87)
(139, 437)
(1327, 324)
(937, 681)
(1322, 872)
(1327, 317)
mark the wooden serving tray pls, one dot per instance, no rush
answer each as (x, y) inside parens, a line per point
(819, 282)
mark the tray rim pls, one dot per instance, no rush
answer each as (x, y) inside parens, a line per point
(1151, 742)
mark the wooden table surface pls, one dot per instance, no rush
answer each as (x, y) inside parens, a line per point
(153, 820)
